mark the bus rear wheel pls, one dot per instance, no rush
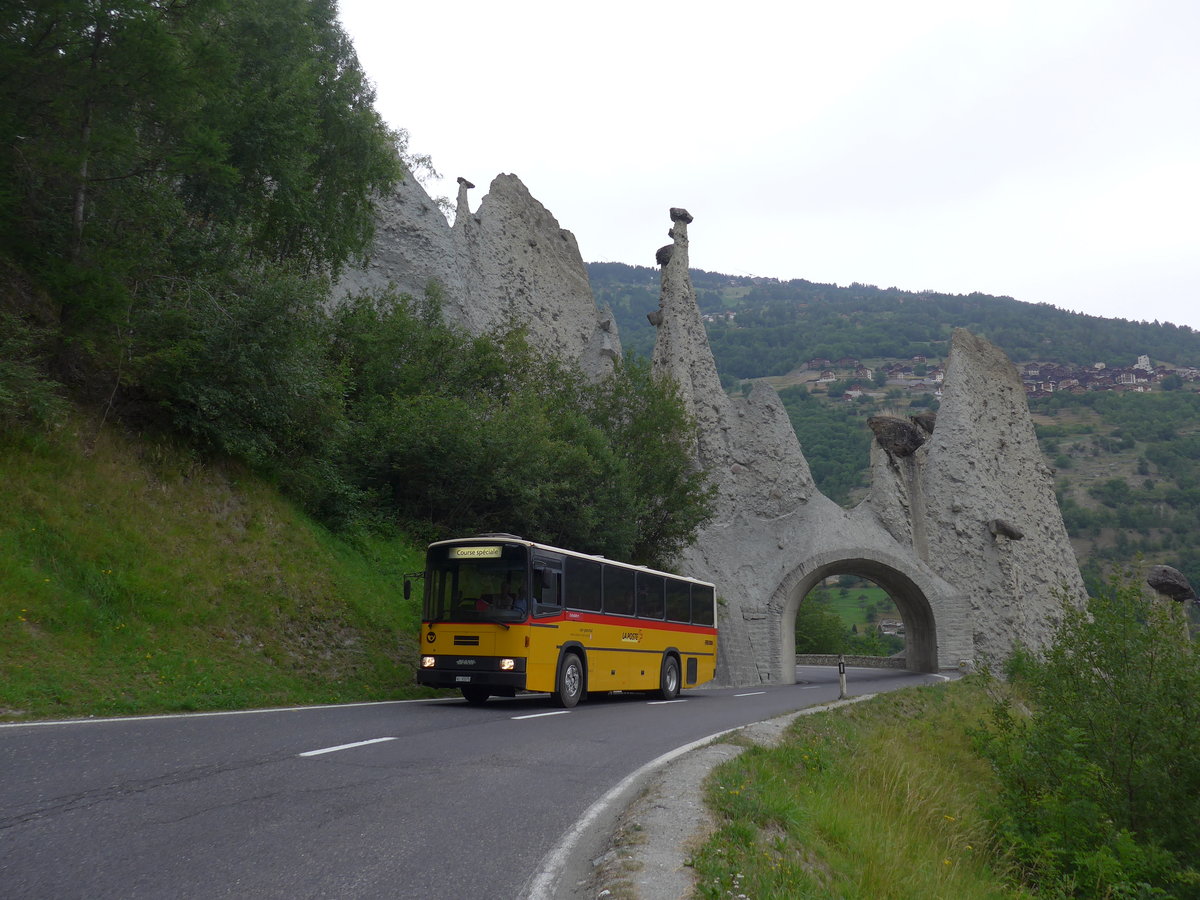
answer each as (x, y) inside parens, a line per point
(569, 684)
(475, 694)
(668, 679)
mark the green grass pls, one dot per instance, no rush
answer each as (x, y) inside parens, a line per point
(881, 800)
(135, 580)
(852, 605)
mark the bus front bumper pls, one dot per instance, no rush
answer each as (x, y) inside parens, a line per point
(480, 671)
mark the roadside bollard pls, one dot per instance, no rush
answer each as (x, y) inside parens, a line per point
(841, 677)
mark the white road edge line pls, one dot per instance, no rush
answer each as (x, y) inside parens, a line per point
(345, 746)
(557, 712)
(94, 720)
(556, 860)
(751, 694)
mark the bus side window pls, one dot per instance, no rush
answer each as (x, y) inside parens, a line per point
(649, 596)
(679, 601)
(583, 587)
(702, 605)
(618, 591)
(547, 588)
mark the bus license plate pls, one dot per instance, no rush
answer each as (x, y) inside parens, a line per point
(462, 677)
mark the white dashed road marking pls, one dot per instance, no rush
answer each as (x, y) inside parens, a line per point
(345, 746)
(557, 712)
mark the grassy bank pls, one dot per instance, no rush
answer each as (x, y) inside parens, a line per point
(881, 799)
(134, 579)
(852, 604)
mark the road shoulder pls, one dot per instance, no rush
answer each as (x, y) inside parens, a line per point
(651, 844)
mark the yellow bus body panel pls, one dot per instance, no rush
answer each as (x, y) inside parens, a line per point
(619, 654)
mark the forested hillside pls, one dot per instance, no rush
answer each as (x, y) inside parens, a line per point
(762, 326)
(1128, 475)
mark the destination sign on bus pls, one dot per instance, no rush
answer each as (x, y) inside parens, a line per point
(485, 552)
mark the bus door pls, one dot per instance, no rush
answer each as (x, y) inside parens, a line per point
(544, 634)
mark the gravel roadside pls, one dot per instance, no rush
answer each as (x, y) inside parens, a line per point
(654, 837)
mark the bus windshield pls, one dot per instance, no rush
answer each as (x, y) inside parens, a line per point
(477, 583)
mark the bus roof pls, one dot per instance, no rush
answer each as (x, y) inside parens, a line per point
(515, 539)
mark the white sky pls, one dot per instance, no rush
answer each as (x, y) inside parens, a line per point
(1045, 150)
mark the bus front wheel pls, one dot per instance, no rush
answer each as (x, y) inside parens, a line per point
(668, 681)
(569, 685)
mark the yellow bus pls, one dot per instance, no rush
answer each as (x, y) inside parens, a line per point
(503, 614)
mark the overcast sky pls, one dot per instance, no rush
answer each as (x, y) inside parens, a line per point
(1045, 150)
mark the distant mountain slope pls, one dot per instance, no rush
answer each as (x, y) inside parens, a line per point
(763, 326)
(1128, 463)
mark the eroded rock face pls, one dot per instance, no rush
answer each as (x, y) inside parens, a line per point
(525, 269)
(1170, 582)
(899, 437)
(961, 521)
(926, 420)
(413, 246)
(509, 263)
(681, 351)
(983, 465)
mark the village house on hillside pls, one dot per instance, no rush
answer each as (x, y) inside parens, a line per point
(1041, 379)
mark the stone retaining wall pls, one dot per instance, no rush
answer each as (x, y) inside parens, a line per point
(869, 662)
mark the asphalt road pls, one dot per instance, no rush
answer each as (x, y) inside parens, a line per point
(429, 799)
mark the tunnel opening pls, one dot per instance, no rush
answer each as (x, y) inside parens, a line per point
(851, 615)
(912, 607)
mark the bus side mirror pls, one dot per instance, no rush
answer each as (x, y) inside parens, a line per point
(407, 589)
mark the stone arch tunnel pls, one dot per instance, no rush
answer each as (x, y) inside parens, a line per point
(917, 597)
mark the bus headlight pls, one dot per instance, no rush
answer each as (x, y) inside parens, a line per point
(507, 665)
(428, 662)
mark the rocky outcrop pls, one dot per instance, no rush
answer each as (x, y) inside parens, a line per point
(976, 503)
(507, 264)
(961, 526)
(1170, 583)
(413, 247)
(899, 437)
(983, 465)
(526, 270)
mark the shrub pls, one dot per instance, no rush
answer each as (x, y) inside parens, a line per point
(1101, 793)
(27, 396)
